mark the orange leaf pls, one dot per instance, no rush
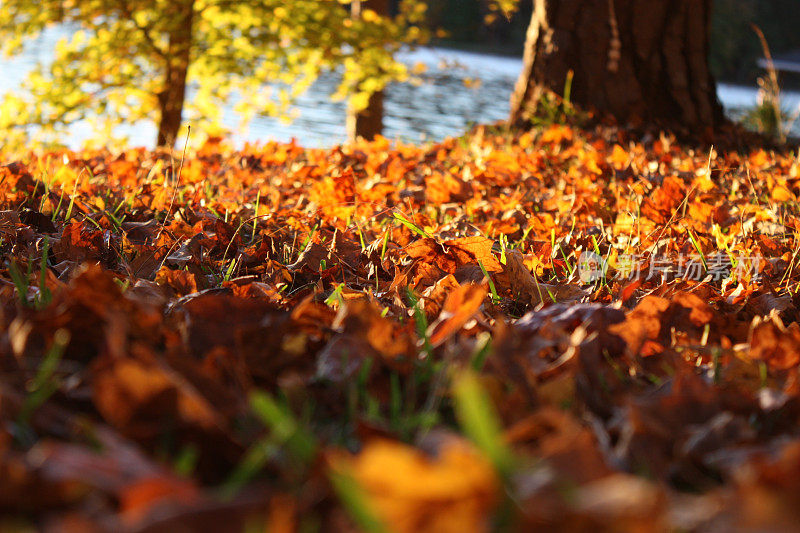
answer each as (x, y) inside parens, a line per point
(404, 485)
(460, 306)
(141, 496)
(474, 249)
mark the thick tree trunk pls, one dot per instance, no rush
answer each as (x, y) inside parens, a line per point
(639, 60)
(369, 122)
(173, 93)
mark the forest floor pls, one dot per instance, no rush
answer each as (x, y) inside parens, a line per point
(564, 330)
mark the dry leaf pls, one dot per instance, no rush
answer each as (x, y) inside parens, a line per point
(523, 283)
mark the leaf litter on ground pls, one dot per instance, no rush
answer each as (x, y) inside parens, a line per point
(391, 337)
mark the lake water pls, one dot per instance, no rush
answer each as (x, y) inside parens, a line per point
(443, 105)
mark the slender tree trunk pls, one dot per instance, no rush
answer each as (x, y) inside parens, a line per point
(369, 122)
(639, 60)
(173, 93)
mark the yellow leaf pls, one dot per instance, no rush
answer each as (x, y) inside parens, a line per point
(782, 194)
(404, 485)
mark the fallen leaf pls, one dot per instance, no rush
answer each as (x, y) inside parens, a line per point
(522, 282)
(460, 306)
(775, 344)
(458, 483)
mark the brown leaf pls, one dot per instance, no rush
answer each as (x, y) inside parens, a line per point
(460, 306)
(115, 465)
(181, 281)
(772, 342)
(363, 319)
(643, 324)
(134, 395)
(764, 304)
(425, 248)
(142, 232)
(342, 358)
(215, 317)
(647, 328)
(700, 313)
(311, 257)
(522, 282)
(433, 297)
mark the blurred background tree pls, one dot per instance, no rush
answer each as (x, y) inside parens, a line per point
(487, 26)
(132, 60)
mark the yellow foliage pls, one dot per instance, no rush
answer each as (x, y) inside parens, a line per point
(114, 66)
(404, 485)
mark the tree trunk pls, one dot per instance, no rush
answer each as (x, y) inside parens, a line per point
(638, 60)
(369, 122)
(172, 95)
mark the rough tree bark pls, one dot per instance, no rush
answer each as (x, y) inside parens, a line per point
(178, 57)
(369, 122)
(639, 60)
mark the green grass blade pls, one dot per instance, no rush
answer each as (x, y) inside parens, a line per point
(355, 501)
(410, 225)
(479, 421)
